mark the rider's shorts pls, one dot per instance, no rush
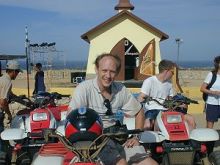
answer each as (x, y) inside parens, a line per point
(136, 154)
(212, 112)
(2, 116)
(1, 128)
(151, 114)
(111, 153)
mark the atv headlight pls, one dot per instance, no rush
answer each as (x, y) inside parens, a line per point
(39, 116)
(174, 119)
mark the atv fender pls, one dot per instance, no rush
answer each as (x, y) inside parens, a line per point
(17, 122)
(55, 160)
(61, 129)
(13, 134)
(151, 137)
(129, 122)
(204, 134)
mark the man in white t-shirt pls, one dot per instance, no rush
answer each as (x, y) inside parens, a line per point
(160, 88)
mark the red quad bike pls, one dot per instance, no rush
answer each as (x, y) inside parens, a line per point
(82, 142)
(174, 143)
(39, 114)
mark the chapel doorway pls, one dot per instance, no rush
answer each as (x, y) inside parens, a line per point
(129, 56)
(131, 60)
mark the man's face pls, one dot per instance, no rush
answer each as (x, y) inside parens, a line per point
(36, 68)
(169, 73)
(106, 72)
(14, 74)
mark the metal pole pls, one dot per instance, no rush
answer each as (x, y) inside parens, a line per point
(178, 41)
(178, 52)
(27, 59)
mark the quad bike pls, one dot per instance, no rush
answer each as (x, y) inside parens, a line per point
(79, 153)
(82, 142)
(43, 109)
(39, 114)
(174, 143)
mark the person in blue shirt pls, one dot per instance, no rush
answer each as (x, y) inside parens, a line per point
(39, 85)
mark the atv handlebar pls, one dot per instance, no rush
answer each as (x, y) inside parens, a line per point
(64, 95)
(36, 134)
(173, 102)
(58, 96)
(43, 99)
(115, 131)
(119, 129)
(22, 99)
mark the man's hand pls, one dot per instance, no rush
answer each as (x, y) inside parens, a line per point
(131, 142)
(183, 106)
(9, 118)
(215, 93)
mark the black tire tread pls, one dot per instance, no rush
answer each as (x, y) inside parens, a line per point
(214, 158)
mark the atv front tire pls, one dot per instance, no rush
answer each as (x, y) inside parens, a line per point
(214, 158)
(165, 160)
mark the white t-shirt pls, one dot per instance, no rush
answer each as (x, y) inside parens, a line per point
(213, 99)
(5, 86)
(158, 90)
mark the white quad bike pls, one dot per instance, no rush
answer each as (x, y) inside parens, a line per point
(174, 143)
(81, 151)
(40, 113)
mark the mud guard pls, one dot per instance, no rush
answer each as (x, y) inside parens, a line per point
(130, 122)
(204, 134)
(55, 160)
(13, 134)
(61, 129)
(151, 137)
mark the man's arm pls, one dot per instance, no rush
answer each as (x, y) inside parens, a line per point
(139, 119)
(141, 97)
(79, 98)
(5, 108)
(139, 124)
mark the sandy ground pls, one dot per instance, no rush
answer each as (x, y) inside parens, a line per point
(188, 78)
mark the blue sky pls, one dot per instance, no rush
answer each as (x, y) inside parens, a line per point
(197, 22)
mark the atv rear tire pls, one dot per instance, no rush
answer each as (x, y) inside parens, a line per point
(205, 161)
(4, 160)
(214, 158)
(165, 160)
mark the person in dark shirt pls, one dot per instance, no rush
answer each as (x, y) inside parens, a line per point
(39, 85)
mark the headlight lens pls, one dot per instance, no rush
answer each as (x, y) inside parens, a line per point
(39, 116)
(174, 119)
